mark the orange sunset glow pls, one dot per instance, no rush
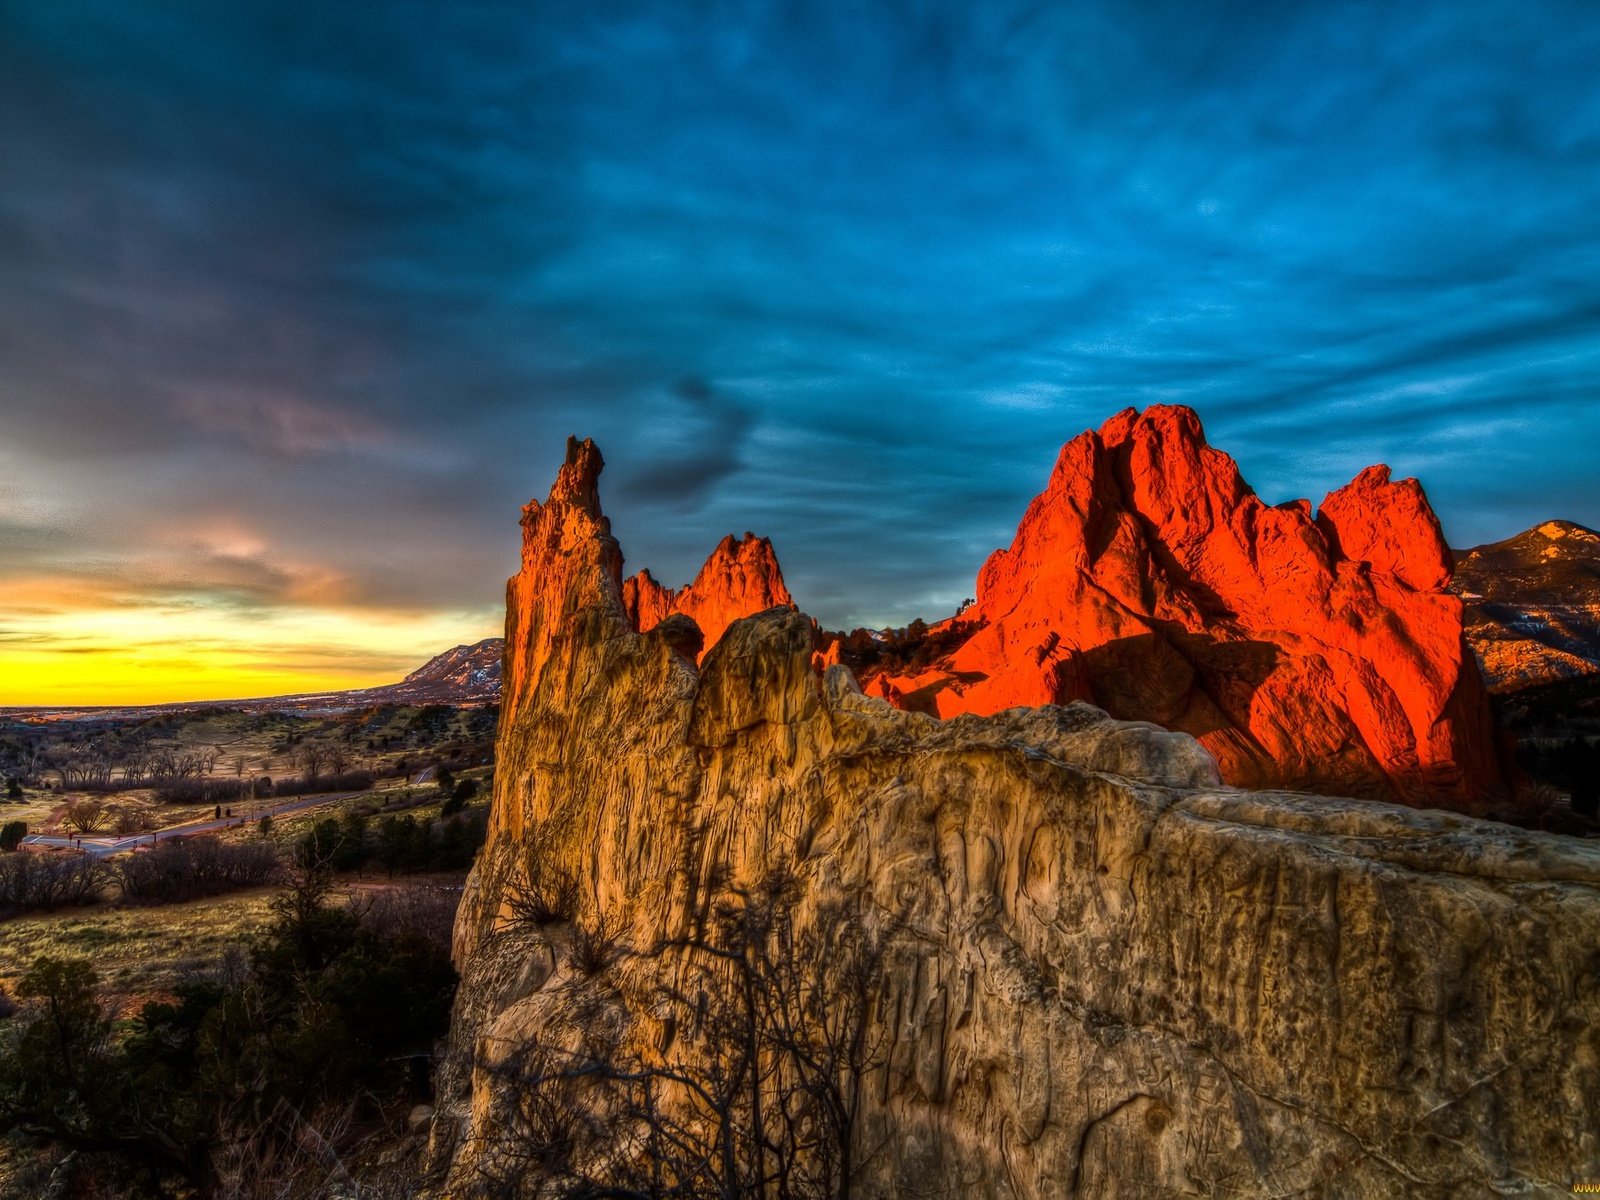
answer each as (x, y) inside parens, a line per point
(73, 649)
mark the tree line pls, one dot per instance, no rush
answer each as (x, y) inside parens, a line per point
(174, 870)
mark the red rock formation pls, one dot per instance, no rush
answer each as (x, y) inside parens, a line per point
(566, 542)
(1311, 651)
(567, 538)
(1149, 579)
(740, 578)
(1041, 953)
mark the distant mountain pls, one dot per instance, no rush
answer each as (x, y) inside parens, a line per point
(462, 675)
(1533, 605)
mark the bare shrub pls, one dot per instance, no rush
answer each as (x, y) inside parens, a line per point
(129, 819)
(417, 909)
(86, 816)
(594, 946)
(544, 892)
(44, 881)
(184, 868)
(758, 1090)
(258, 1162)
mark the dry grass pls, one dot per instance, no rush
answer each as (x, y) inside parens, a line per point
(138, 952)
(141, 952)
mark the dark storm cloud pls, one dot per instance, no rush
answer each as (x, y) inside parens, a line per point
(844, 274)
(702, 436)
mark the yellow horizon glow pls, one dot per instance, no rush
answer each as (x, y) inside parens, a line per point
(85, 652)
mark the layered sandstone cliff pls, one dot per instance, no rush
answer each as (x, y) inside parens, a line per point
(1307, 650)
(1097, 971)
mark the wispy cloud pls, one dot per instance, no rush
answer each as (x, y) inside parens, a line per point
(846, 275)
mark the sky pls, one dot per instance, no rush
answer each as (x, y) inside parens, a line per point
(299, 301)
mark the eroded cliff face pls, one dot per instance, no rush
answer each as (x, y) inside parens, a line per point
(1102, 973)
(1318, 651)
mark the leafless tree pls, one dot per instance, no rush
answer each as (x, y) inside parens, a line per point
(31, 758)
(86, 816)
(312, 757)
(338, 758)
(168, 765)
(135, 765)
(82, 764)
(757, 1090)
(44, 881)
(128, 818)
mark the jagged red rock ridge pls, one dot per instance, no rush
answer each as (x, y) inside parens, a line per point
(741, 577)
(1312, 650)
(1320, 651)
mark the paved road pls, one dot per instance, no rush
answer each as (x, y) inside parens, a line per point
(101, 846)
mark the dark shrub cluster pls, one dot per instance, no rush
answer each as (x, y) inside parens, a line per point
(411, 909)
(11, 834)
(43, 881)
(399, 844)
(301, 785)
(185, 868)
(460, 795)
(219, 1090)
(405, 844)
(204, 791)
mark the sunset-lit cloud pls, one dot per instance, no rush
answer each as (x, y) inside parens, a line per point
(295, 314)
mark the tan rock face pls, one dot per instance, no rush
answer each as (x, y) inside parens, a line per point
(1104, 973)
(1322, 653)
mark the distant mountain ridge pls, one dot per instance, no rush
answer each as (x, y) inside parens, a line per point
(1533, 605)
(459, 675)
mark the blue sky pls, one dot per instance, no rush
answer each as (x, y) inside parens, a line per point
(332, 285)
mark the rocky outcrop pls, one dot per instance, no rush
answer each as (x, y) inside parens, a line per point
(740, 578)
(1533, 605)
(567, 540)
(1318, 651)
(1099, 972)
